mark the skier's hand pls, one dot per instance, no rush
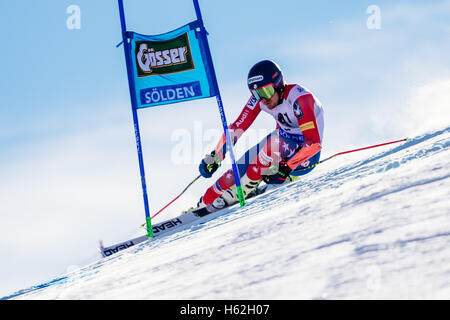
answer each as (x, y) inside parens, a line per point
(209, 165)
(283, 172)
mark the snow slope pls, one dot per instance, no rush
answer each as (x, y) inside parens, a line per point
(366, 226)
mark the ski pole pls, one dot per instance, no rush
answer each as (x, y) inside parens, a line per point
(354, 150)
(187, 187)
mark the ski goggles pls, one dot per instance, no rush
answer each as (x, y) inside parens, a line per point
(266, 92)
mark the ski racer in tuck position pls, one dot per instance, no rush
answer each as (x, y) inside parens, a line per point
(294, 145)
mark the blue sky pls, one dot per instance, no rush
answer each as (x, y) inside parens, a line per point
(67, 151)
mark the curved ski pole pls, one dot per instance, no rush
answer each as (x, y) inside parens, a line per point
(187, 187)
(349, 151)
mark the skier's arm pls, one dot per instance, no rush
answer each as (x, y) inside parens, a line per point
(308, 124)
(248, 115)
(239, 126)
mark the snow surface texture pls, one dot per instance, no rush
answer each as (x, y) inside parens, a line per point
(359, 227)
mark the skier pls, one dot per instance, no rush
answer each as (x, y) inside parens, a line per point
(292, 147)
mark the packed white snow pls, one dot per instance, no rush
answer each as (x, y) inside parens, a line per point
(373, 225)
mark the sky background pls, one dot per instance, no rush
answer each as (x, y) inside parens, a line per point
(69, 173)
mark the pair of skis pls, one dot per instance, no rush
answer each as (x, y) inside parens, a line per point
(185, 220)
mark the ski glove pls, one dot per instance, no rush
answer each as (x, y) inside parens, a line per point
(209, 165)
(283, 172)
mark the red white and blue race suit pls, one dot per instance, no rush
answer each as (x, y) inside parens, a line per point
(299, 129)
